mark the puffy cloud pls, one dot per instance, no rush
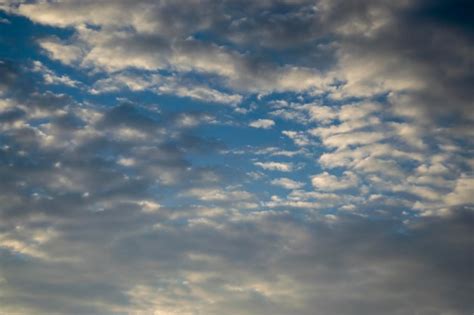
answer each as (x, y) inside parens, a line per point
(152, 45)
(287, 183)
(262, 123)
(117, 199)
(61, 51)
(298, 137)
(462, 193)
(328, 182)
(368, 53)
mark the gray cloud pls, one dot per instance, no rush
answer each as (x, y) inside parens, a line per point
(105, 209)
(180, 268)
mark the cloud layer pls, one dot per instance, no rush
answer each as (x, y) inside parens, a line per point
(236, 157)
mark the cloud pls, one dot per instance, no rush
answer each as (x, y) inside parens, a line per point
(201, 93)
(287, 183)
(164, 85)
(415, 74)
(215, 194)
(116, 198)
(172, 44)
(203, 264)
(66, 53)
(462, 193)
(368, 53)
(304, 113)
(275, 166)
(52, 78)
(262, 123)
(328, 182)
(298, 137)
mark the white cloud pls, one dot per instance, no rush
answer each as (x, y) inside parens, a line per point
(164, 85)
(149, 206)
(298, 137)
(52, 78)
(328, 182)
(463, 192)
(287, 183)
(201, 93)
(113, 48)
(262, 123)
(126, 161)
(324, 114)
(344, 140)
(66, 53)
(275, 166)
(217, 194)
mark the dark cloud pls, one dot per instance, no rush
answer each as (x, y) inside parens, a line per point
(356, 266)
(423, 41)
(9, 74)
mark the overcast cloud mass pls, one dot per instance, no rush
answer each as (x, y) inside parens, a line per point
(236, 157)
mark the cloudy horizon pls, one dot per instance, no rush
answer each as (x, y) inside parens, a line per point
(285, 157)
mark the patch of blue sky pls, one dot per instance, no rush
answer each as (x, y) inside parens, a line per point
(18, 38)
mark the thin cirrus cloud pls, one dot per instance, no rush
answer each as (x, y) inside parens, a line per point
(215, 157)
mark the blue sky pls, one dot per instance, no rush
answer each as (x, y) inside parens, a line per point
(236, 157)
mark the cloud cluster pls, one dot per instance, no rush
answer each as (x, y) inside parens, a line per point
(339, 180)
(344, 49)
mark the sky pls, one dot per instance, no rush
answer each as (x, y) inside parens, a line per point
(236, 157)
